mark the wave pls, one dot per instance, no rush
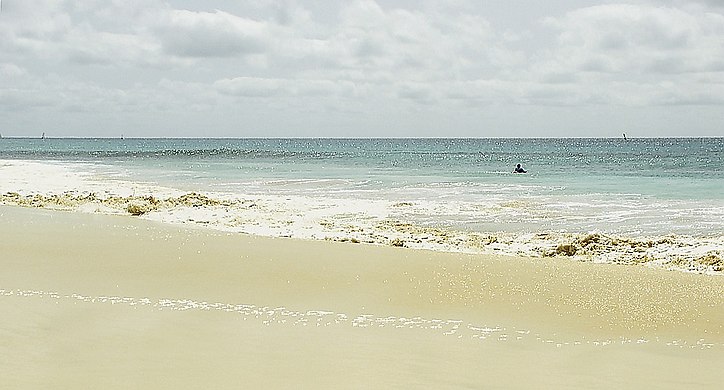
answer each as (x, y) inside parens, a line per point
(171, 153)
(379, 223)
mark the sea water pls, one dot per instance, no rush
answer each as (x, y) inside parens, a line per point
(654, 199)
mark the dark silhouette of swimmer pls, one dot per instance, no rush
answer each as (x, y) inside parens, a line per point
(519, 169)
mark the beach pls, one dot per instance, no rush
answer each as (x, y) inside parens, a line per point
(116, 302)
(361, 195)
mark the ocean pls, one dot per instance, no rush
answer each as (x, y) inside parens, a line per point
(650, 201)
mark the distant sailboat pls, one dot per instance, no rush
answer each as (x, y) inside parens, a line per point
(624, 137)
(42, 136)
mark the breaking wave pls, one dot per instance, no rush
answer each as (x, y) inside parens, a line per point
(333, 220)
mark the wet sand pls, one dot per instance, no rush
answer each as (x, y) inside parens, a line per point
(93, 301)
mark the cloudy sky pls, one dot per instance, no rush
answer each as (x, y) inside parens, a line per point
(362, 68)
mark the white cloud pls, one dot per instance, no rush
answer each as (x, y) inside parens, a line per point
(626, 53)
(621, 38)
(287, 61)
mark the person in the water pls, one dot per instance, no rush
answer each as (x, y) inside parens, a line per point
(519, 169)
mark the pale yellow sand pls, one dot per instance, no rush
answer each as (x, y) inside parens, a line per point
(113, 302)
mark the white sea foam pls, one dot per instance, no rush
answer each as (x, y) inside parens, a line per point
(530, 226)
(34, 177)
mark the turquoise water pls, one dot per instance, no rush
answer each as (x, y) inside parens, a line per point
(637, 186)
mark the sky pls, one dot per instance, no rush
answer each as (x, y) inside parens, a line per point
(362, 68)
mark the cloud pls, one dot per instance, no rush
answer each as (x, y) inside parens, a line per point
(410, 44)
(82, 33)
(622, 38)
(623, 54)
(252, 87)
(256, 87)
(25, 30)
(110, 49)
(211, 34)
(422, 93)
(282, 60)
(24, 100)
(11, 70)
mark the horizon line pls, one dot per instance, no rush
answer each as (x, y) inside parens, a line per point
(121, 138)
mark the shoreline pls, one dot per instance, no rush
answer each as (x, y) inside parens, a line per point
(251, 215)
(121, 293)
(386, 222)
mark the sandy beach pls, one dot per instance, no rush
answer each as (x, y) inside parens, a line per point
(361, 195)
(98, 301)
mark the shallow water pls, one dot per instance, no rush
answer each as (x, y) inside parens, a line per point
(418, 191)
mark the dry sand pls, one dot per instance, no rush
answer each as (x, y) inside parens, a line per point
(91, 301)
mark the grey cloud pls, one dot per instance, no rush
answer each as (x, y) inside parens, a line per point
(418, 92)
(251, 87)
(670, 64)
(217, 34)
(24, 100)
(695, 99)
(11, 70)
(79, 34)
(286, 61)
(628, 38)
(256, 87)
(559, 78)
(597, 63)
